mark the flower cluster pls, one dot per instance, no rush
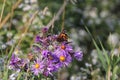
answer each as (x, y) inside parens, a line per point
(49, 54)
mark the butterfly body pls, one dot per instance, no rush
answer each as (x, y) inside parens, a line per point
(62, 37)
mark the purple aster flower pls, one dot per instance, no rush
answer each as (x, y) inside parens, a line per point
(44, 30)
(62, 53)
(15, 62)
(54, 54)
(37, 38)
(78, 55)
(50, 56)
(67, 47)
(53, 58)
(44, 41)
(14, 59)
(37, 67)
(50, 68)
(64, 57)
(45, 53)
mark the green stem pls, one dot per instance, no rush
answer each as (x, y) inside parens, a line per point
(108, 72)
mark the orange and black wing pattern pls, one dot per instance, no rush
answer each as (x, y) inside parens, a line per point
(62, 37)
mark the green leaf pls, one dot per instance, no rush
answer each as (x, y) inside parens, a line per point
(105, 54)
(101, 56)
(114, 72)
(19, 75)
(10, 53)
(118, 59)
(5, 77)
(6, 69)
(37, 45)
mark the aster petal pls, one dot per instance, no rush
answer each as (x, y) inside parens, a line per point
(38, 70)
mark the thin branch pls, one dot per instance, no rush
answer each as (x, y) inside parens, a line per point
(3, 7)
(10, 14)
(58, 13)
(28, 23)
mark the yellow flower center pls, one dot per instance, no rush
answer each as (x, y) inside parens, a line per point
(62, 47)
(37, 66)
(62, 58)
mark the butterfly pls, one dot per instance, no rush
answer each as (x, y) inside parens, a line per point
(62, 37)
